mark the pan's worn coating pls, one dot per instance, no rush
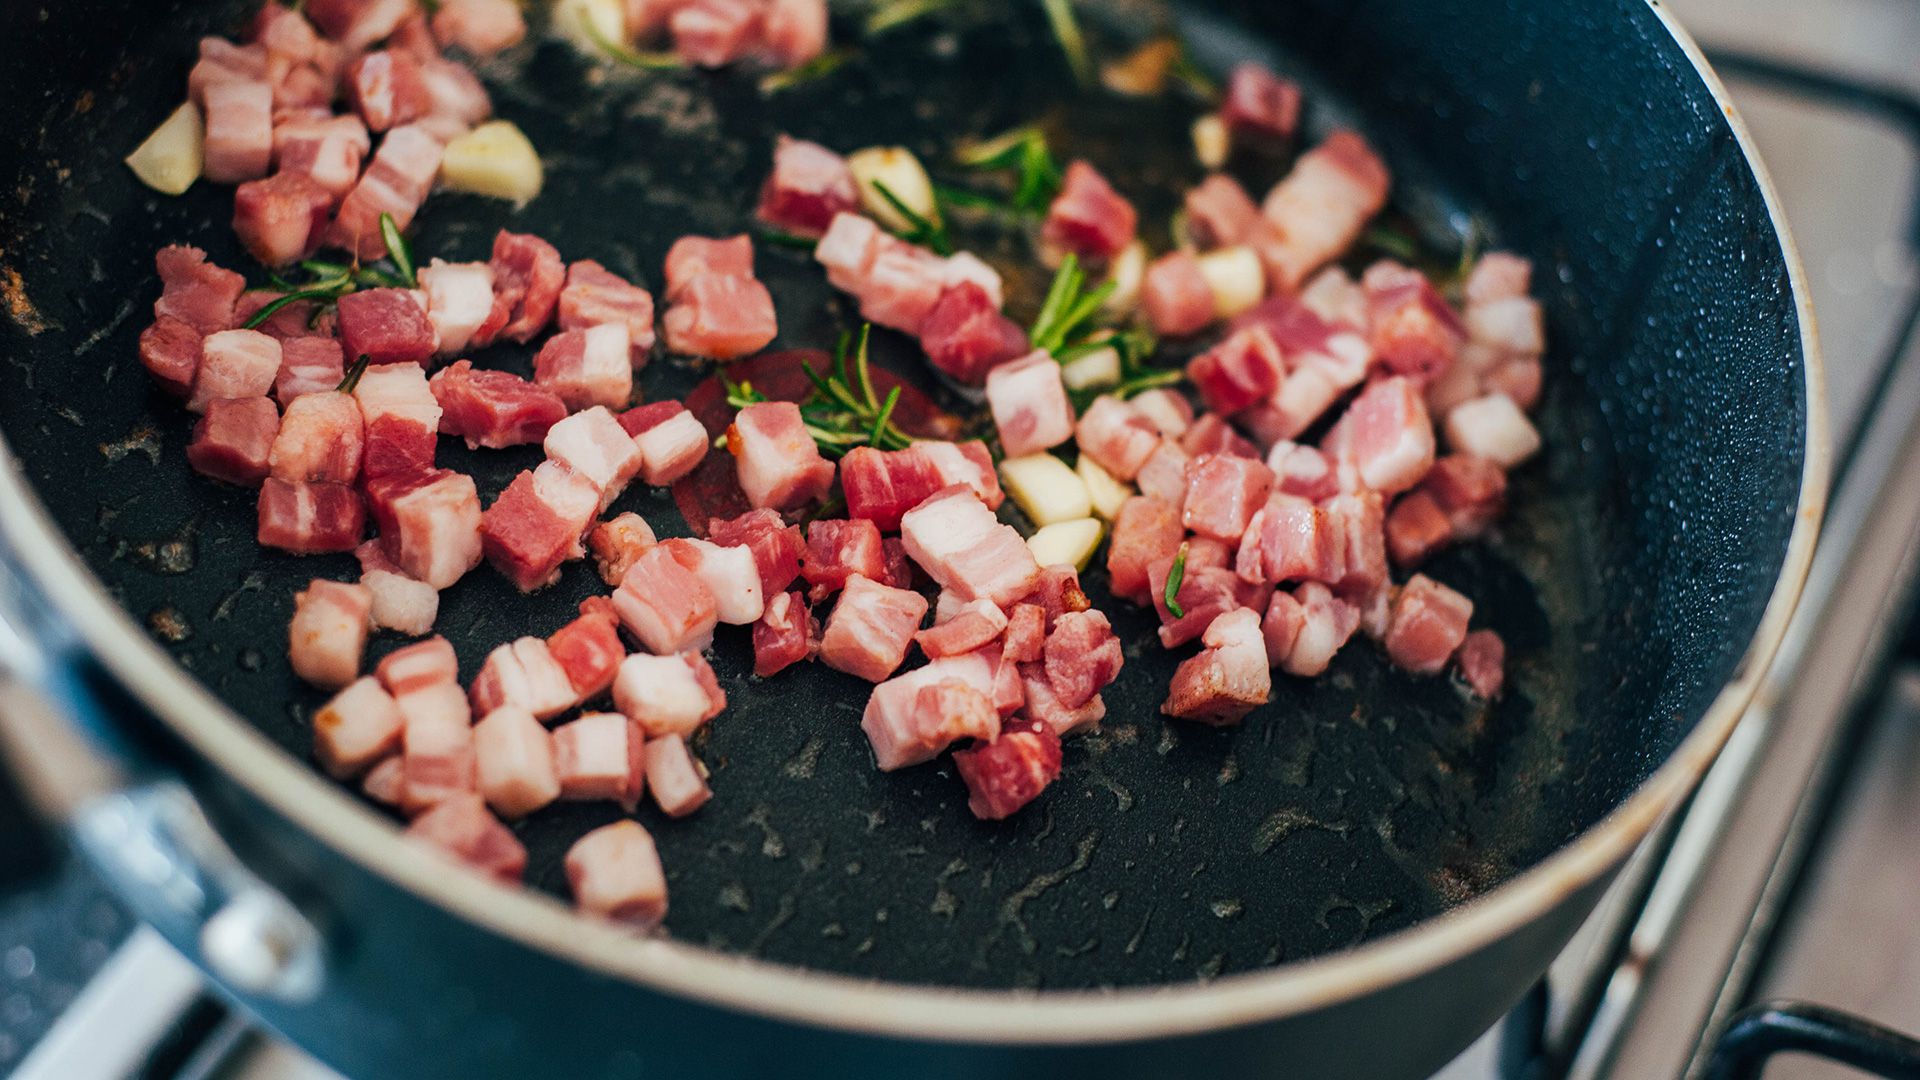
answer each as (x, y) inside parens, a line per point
(1641, 551)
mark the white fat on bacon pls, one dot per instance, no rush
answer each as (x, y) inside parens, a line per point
(964, 547)
(675, 777)
(667, 695)
(328, 633)
(525, 674)
(513, 762)
(355, 730)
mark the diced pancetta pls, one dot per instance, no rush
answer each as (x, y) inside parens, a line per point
(672, 441)
(422, 664)
(281, 218)
(881, 485)
(675, 777)
(1082, 656)
(400, 603)
(527, 278)
(1220, 213)
(962, 546)
(234, 439)
(460, 303)
(1228, 678)
(386, 782)
(436, 745)
(671, 694)
(600, 756)
(900, 734)
(526, 536)
(715, 33)
(1472, 491)
(223, 61)
(1009, 772)
(1281, 626)
(238, 144)
(387, 326)
(357, 728)
(1359, 519)
(328, 634)
(1164, 474)
(1321, 207)
(808, 186)
(793, 32)
(326, 149)
(464, 828)
(513, 762)
(870, 628)
(1291, 539)
(1175, 295)
(1482, 657)
(1260, 104)
(1029, 404)
(395, 183)
(309, 519)
(1303, 471)
(1145, 531)
(587, 367)
(594, 295)
(1026, 634)
(1327, 622)
(479, 28)
(897, 283)
(693, 256)
(1088, 217)
(783, 636)
(776, 547)
(195, 291)
(493, 408)
(308, 365)
(456, 99)
(1223, 492)
(978, 624)
(1428, 623)
(775, 458)
(1416, 528)
(1116, 436)
(1041, 705)
(617, 542)
(320, 439)
(402, 420)
(356, 24)
(430, 523)
(234, 364)
(387, 89)
(594, 445)
(588, 649)
(523, 672)
(1205, 593)
(665, 605)
(966, 336)
(1491, 427)
(170, 351)
(729, 573)
(723, 316)
(1386, 436)
(614, 873)
(1245, 368)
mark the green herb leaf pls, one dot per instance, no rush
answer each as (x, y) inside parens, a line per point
(1066, 30)
(352, 380)
(1147, 381)
(1392, 241)
(921, 231)
(644, 61)
(817, 68)
(1064, 316)
(1023, 151)
(1194, 77)
(843, 411)
(779, 238)
(329, 290)
(398, 251)
(875, 436)
(888, 14)
(1175, 576)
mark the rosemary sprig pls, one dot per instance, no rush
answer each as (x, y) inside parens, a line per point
(888, 14)
(817, 68)
(1395, 242)
(1063, 317)
(1147, 380)
(843, 411)
(1195, 77)
(398, 251)
(1175, 576)
(329, 289)
(1024, 152)
(354, 372)
(1066, 30)
(643, 61)
(930, 234)
(782, 238)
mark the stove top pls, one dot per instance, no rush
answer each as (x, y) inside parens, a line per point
(1790, 875)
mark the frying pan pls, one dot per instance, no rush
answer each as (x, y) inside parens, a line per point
(1355, 882)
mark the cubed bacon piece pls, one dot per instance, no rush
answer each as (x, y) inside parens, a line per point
(1281, 626)
(1175, 295)
(1259, 103)
(238, 145)
(1212, 435)
(402, 420)
(676, 778)
(328, 634)
(870, 628)
(600, 756)
(524, 673)
(399, 602)
(430, 523)
(848, 249)
(1089, 218)
(320, 439)
(1482, 657)
(1116, 436)
(614, 873)
(776, 547)
(326, 149)
(1491, 427)
(234, 439)
(715, 33)
(1308, 339)
(460, 304)
(809, 185)
(1386, 435)
(1472, 491)
(309, 519)
(1042, 706)
(1429, 622)
(387, 89)
(1303, 471)
(286, 33)
(594, 296)
(357, 24)
(513, 762)
(436, 745)
(1322, 206)
(1359, 519)
(526, 537)
(1008, 773)
(794, 32)
(223, 61)
(286, 322)
(1223, 492)
(978, 625)
(479, 28)
(665, 605)
(527, 278)
(956, 710)
(881, 485)
(729, 573)
(1082, 657)
(1291, 539)
(195, 291)
(357, 728)
(234, 364)
(456, 98)
(777, 462)
(280, 218)
(899, 732)
(1205, 593)
(395, 183)
(966, 336)
(1145, 531)
(1164, 474)
(1245, 368)
(968, 463)
(721, 316)
(464, 828)
(170, 351)
(617, 542)
(1029, 404)
(691, 257)
(594, 445)
(387, 326)
(668, 695)
(1412, 328)
(308, 365)
(1057, 590)
(417, 666)
(903, 283)
(1226, 680)
(1026, 634)
(493, 408)
(588, 649)
(1220, 213)
(1416, 528)
(963, 547)
(386, 782)
(840, 550)
(588, 367)
(1327, 622)
(672, 441)
(783, 636)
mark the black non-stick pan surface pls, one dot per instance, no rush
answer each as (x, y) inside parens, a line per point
(1638, 555)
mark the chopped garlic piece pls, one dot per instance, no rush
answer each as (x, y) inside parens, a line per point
(1069, 543)
(1128, 272)
(1236, 278)
(1045, 489)
(903, 175)
(493, 159)
(1101, 367)
(1106, 493)
(1211, 142)
(169, 160)
(581, 21)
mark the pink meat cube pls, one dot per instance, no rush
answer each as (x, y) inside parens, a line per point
(525, 538)
(1303, 471)
(1205, 593)
(387, 326)
(234, 439)
(838, 550)
(281, 218)
(1044, 707)
(777, 462)
(1416, 528)
(587, 367)
(195, 291)
(1029, 404)
(1082, 657)
(1145, 531)
(1281, 626)
(1089, 218)
(715, 33)
(320, 439)
(962, 546)
(1482, 657)
(1386, 436)
(1116, 436)
(810, 184)
(1175, 296)
(870, 628)
(617, 542)
(968, 463)
(665, 605)
(1008, 773)
(594, 445)
(1472, 491)
(399, 602)
(513, 762)
(1163, 475)
(479, 28)
(463, 827)
(309, 519)
(794, 31)
(1428, 624)
(460, 304)
(776, 546)
(1227, 679)
(430, 523)
(1223, 492)
(493, 408)
(395, 183)
(671, 440)
(729, 573)
(238, 144)
(1321, 207)
(386, 782)
(614, 872)
(523, 673)
(693, 256)
(170, 351)
(1244, 369)
(677, 779)
(1327, 622)
(589, 650)
(668, 695)
(234, 364)
(900, 733)
(1360, 520)
(422, 664)
(594, 296)
(308, 365)
(436, 745)
(1220, 214)
(978, 624)
(1411, 327)
(325, 148)
(357, 728)
(600, 756)
(966, 336)
(328, 633)
(723, 316)
(224, 61)
(1291, 539)
(783, 636)
(1259, 103)
(386, 87)
(527, 278)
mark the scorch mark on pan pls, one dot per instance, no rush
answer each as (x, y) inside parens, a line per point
(13, 294)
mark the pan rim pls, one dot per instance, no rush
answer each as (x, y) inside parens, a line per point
(838, 1002)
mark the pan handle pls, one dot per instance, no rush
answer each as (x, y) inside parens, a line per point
(62, 764)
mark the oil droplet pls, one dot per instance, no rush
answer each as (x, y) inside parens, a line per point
(1226, 909)
(249, 659)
